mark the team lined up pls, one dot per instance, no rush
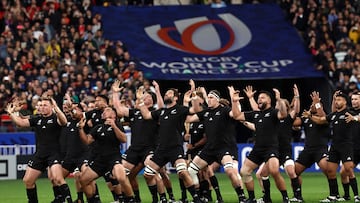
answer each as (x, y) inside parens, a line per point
(159, 126)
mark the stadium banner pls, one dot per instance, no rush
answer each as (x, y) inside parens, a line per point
(21, 165)
(8, 167)
(245, 149)
(248, 41)
(20, 138)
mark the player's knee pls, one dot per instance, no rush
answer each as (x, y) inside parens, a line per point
(228, 165)
(149, 171)
(181, 167)
(245, 173)
(193, 171)
(288, 163)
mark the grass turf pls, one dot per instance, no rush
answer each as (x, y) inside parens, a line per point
(314, 187)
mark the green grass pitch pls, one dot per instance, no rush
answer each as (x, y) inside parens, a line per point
(314, 187)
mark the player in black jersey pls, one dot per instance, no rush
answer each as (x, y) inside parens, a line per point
(341, 148)
(266, 122)
(354, 117)
(143, 137)
(194, 135)
(170, 149)
(107, 158)
(316, 140)
(93, 118)
(220, 132)
(47, 128)
(76, 151)
(285, 149)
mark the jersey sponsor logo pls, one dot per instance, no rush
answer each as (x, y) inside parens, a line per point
(272, 155)
(132, 119)
(43, 127)
(348, 158)
(97, 120)
(109, 129)
(311, 125)
(72, 130)
(173, 111)
(50, 121)
(102, 134)
(260, 121)
(217, 113)
(210, 119)
(193, 30)
(267, 115)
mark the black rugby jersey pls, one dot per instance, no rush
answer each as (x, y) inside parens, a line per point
(47, 134)
(316, 136)
(266, 125)
(171, 125)
(285, 131)
(219, 127)
(75, 147)
(143, 132)
(106, 141)
(341, 131)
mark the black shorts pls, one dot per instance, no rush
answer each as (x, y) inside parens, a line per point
(259, 156)
(42, 162)
(70, 164)
(284, 155)
(102, 165)
(343, 153)
(356, 157)
(136, 156)
(193, 152)
(163, 156)
(216, 155)
(310, 156)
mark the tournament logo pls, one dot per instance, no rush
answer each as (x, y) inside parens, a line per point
(203, 36)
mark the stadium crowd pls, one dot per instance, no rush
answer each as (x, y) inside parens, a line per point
(330, 30)
(59, 45)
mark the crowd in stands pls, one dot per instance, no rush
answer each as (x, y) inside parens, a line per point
(331, 31)
(59, 46)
